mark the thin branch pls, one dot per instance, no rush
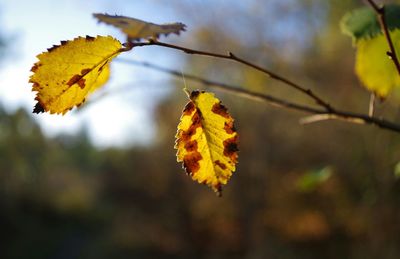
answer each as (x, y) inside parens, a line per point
(323, 117)
(241, 91)
(238, 90)
(374, 6)
(231, 56)
(380, 12)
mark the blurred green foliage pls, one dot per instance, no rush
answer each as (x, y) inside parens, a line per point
(309, 181)
(397, 170)
(62, 198)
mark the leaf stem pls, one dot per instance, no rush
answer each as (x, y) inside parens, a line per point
(230, 56)
(371, 109)
(320, 114)
(380, 12)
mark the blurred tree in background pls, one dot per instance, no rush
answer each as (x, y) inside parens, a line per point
(3, 41)
(324, 190)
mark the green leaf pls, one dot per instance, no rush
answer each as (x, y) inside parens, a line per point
(363, 23)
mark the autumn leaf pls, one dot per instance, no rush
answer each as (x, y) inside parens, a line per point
(374, 68)
(206, 141)
(65, 75)
(136, 29)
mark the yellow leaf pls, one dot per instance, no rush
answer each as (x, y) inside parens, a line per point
(207, 141)
(137, 29)
(374, 68)
(65, 75)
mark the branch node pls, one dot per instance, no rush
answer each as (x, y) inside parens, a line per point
(381, 10)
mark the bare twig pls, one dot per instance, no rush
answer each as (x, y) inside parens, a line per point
(238, 90)
(323, 117)
(380, 12)
(321, 114)
(231, 56)
(374, 5)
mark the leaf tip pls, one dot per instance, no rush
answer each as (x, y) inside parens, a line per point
(38, 108)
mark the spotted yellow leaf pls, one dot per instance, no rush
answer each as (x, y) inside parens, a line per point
(375, 69)
(136, 29)
(66, 74)
(207, 141)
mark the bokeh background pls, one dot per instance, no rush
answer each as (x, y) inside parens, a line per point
(103, 182)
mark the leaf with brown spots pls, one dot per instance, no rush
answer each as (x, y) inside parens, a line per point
(207, 141)
(66, 74)
(136, 29)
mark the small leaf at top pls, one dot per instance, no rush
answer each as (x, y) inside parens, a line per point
(65, 75)
(136, 29)
(363, 23)
(207, 141)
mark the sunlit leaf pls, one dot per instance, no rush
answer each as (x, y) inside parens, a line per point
(363, 23)
(65, 75)
(207, 141)
(375, 69)
(136, 29)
